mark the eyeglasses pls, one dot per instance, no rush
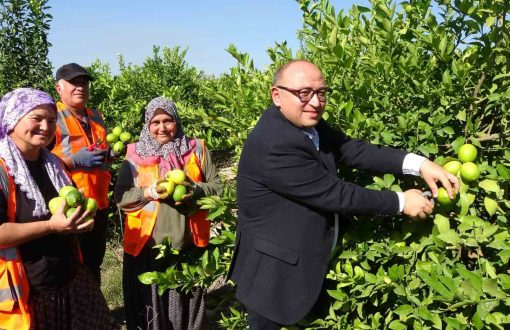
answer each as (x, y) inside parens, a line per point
(306, 94)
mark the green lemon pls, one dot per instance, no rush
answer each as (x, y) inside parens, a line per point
(70, 212)
(55, 204)
(74, 198)
(65, 190)
(117, 130)
(469, 172)
(453, 167)
(443, 198)
(467, 153)
(177, 176)
(91, 205)
(112, 138)
(118, 147)
(125, 136)
(168, 185)
(179, 192)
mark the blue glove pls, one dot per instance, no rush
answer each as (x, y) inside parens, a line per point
(86, 158)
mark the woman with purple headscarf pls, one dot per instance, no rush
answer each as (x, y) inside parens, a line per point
(39, 255)
(152, 217)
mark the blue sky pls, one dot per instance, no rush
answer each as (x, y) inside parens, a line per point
(85, 30)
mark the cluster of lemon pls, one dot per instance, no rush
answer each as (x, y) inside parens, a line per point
(465, 166)
(117, 138)
(172, 185)
(73, 199)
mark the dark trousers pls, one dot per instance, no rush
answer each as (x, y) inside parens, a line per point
(93, 244)
(259, 322)
(319, 310)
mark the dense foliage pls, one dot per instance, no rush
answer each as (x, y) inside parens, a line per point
(23, 44)
(420, 75)
(427, 79)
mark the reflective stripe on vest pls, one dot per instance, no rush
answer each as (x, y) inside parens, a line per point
(69, 139)
(14, 286)
(139, 224)
(198, 223)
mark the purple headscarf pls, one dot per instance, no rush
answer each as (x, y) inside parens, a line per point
(147, 146)
(14, 106)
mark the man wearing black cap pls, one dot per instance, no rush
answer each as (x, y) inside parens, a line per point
(80, 142)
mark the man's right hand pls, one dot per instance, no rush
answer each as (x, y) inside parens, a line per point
(86, 158)
(416, 205)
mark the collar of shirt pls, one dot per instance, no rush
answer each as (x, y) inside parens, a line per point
(313, 135)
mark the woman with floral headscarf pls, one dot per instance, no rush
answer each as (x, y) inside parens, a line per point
(151, 217)
(42, 283)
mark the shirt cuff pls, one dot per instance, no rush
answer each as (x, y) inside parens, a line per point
(412, 164)
(401, 201)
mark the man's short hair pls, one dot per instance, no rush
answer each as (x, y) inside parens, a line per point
(70, 71)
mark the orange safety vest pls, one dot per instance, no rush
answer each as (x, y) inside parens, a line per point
(70, 138)
(139, 224)
(14, 286)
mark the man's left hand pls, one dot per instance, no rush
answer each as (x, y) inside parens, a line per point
(432, 173)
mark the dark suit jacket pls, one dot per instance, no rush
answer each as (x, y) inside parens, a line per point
(288, 193)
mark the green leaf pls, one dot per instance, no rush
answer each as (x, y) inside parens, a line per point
(447, 79)
(454, 323)
(505, 281)
(424, 314)
(348, 255)
(435, 284)
(148, 278)
(457, 143)
(490, 205)
(338, 295)
(333, 36)
(464, 204)
(442, 223)
(461, 115)
(205, 259)
(489, 186)
(216, 213)
(489, 269)
(450, 237)
(490, 286)
(448, 130)
(503, 171)
(338, 50)
(363, 9)
(490, 21)
(386, 23)
(403, 310)
(397, 325)
(200, 272)
(429, 148)
(482, 310)
(473, 278)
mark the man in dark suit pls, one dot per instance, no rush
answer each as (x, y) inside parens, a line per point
(289, 194)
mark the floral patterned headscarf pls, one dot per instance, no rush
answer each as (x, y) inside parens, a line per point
(14, 106)
(147, 146)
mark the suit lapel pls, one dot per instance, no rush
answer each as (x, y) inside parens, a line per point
(324, 155)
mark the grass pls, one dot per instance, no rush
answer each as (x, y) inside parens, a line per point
(111, 282)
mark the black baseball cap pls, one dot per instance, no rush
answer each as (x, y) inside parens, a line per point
(70, 71)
